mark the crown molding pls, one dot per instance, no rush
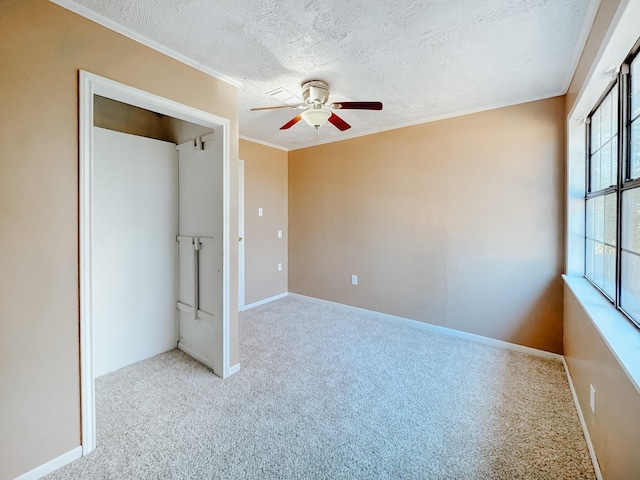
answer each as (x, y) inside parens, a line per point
(127, 32)
(260, 142)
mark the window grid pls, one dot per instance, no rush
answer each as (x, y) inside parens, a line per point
(612, 200)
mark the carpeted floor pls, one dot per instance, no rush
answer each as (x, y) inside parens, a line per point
(326, 392)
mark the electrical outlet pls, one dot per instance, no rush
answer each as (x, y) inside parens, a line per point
(354, 279)
(592, 399)
(279, 267)
(260, 212)
(279, 233)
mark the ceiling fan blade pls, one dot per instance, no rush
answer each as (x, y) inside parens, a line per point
(292, 122)
(273, 108)
(339, 123)
(357, 105)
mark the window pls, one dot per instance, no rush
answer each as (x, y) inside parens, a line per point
(612, 237)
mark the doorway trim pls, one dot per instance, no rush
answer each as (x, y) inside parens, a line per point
(90, 85)
(241, 235)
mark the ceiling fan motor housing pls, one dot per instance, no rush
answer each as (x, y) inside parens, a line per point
(315, 92)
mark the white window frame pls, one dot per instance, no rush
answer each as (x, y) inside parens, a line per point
(621, 336)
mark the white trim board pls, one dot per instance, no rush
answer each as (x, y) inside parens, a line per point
(436, 118)
(260, 142)
(147, 42)
(265, 301)
(196, 355)
(619, 335)
(618, 41)
(583, 424)
(235, 369)
(444, 330)
(416, 323)
(52, 465)
(242, 251)
(487, 341)
(91, 85)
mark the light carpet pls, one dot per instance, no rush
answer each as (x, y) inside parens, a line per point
(328, 392)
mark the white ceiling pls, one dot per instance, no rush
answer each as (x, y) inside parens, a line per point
(424, 59)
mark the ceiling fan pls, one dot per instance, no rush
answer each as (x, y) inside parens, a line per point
(315, 94)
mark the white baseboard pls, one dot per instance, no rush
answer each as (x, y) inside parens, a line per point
(52, 465)
(444, 330)
(192, 353)
(76, 453)
(592, 451)
(488, 341)
(262, 302)
(205, 361)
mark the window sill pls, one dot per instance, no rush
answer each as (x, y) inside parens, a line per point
(622, 338)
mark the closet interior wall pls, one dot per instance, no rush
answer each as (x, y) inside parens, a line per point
(130, 327)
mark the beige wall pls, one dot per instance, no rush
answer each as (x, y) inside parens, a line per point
(266, 188)
(615, 429)
(43, 46)
(456, 223)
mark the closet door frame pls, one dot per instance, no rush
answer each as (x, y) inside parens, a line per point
(90, 85)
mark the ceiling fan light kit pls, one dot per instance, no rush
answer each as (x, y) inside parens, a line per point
(316, 117)
(315, 95)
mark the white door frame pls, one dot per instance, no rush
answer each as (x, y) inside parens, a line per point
(91, 85)
(241, 234)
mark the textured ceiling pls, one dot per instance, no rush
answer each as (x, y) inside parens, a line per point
(424, 59)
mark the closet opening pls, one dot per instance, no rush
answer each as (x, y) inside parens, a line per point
(154, 234)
